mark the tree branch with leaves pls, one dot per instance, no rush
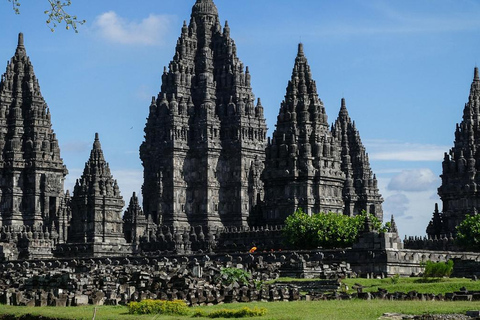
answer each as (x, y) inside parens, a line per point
(57, 14)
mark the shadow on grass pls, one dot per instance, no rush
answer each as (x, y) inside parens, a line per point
(428, 280)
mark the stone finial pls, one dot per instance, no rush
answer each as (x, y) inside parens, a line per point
(226, 29)
(300, 50)
(96, 142)
(20, 39)
(20, 52)
(393, 225)
(204, 7)
(475, 75)
(343, 109)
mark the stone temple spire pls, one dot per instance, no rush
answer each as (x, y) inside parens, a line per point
(361, 190)
(303, 156)
(459, 191)
(301, 99)
(204, 131)
(135, 224)
(29, 150)
(96, 205)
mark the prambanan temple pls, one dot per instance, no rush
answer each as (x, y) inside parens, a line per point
(212, 177)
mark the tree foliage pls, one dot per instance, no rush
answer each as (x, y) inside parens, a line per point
(327, 230)
(468, 232)
(56, 14)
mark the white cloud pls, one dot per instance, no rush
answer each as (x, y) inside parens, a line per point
(414, 180)
(404, 151)
(412, 209)
(149, 31)
(396, 204)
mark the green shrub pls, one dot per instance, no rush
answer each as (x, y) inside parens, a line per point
(328, 230)
(176, 307)
(200, 314)
(230, 275)
(438, 269)
(468, 232)
(232, 313)
(395, 278)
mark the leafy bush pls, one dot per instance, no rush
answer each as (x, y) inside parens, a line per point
(231, 275)
(438, 269)
(395, 278)
(232, 313)
(328, 230)
(176, 307)
(468, 232)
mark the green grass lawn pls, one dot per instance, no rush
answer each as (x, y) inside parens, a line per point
(331, 310)
(436, 286)
(301, 310)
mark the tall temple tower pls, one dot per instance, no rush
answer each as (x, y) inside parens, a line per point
(97, 205)
(303, 159)
(361, 190)
(31, 170)
(460, 192)
(205, 136)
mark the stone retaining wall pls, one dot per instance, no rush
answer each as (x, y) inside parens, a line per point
(195, 279)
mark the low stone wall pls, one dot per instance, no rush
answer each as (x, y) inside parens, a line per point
(195, 279)
(201, 239)
(442, 243)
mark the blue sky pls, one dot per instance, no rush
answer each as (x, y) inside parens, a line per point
(404, 68)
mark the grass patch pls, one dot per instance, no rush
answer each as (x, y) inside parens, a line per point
(436, 286)
(244, 312)
(334, 310)
(288, 279)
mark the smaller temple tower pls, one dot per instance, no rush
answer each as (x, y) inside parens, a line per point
(460, 192)
(303, 164)
(135, 224)
(360, 192)
(96, 227)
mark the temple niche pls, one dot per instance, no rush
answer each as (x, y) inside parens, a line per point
(459, 191)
